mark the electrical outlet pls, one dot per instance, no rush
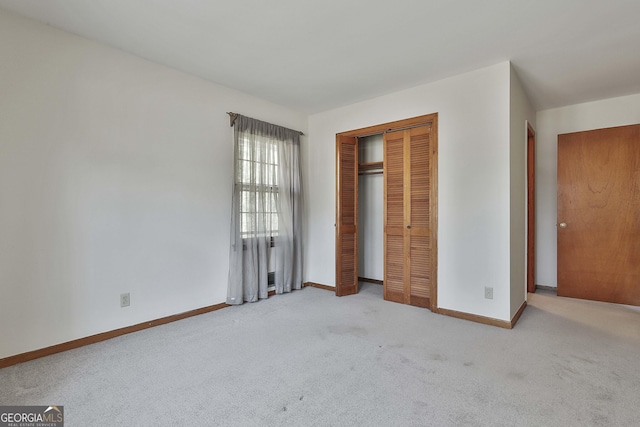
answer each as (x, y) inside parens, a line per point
(488, 292)
(125, 300)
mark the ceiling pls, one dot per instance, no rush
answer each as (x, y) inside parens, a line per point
(317, 55)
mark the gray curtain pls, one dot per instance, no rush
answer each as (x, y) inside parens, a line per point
(266, 221)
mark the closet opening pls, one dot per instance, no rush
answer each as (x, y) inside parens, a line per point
(386, 210)
(370, 209)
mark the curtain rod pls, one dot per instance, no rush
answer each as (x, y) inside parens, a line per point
(234, 116)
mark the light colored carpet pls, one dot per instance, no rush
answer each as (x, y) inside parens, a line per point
(312, 359)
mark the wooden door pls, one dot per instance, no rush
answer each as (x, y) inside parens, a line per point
(347, 215)
(599, 215)
(407, 213)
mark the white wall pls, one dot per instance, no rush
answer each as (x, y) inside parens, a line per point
(521, 112)
(115, 176)
(473, 183)
(575, 118)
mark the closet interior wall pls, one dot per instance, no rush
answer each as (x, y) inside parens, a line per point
(370, 208)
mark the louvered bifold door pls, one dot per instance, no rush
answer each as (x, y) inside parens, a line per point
(407, 240)
(419, 245)
(394, 223)
(347, 216)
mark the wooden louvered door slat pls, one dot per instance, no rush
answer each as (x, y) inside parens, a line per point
(347, 216)
(407, 178)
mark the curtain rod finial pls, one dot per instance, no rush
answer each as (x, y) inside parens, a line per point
(232, 118)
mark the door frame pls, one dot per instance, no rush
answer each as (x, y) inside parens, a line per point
(428, 119)
(531, 208)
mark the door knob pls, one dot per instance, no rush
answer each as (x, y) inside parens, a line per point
(408, 227)
(563, 225)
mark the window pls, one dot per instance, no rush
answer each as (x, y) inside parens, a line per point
(257, 178)
(267, 211)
